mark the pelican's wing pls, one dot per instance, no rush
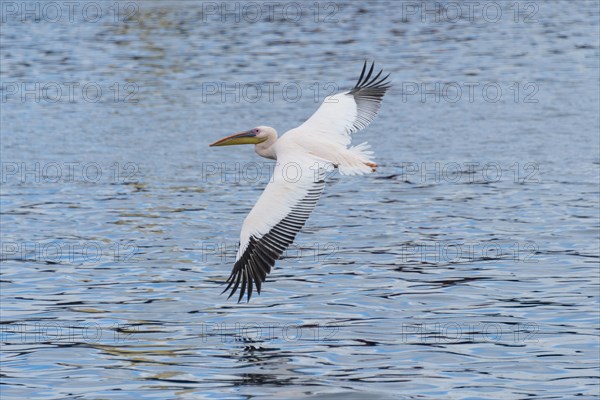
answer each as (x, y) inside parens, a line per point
(345, 113)
(278, 215)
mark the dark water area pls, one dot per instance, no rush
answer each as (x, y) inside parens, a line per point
(465, 267)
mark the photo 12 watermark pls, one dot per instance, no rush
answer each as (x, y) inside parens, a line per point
(70, 12)
(225, 252)
(431, 332)
(69, 252)
(227, 332)
(270, 11)
(66, 332)
(470, 92)
(61, 172)
(271, 92)
(460, 172)
(454, 252)
(68, 92)
(265, 172)
(481, 12)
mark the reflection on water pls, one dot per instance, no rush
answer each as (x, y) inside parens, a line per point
(466, 266)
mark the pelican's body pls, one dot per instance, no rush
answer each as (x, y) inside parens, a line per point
(303, 155)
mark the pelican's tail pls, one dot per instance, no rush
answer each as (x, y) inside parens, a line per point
(356, 160)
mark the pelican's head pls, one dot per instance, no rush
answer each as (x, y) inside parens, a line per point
(253, 136)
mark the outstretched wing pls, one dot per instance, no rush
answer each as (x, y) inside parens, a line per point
(276, 218)
(345, 113)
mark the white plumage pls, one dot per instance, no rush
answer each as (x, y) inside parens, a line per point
(303, 155)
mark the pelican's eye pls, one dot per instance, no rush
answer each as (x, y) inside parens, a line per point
(256, 131)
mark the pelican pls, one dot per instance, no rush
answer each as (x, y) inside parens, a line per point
(303, 156)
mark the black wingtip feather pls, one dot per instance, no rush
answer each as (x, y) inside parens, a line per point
(383, 80)
(243, 286)
(374, 78)
(361, 74)
(250, 284)
(368, 82)
(237, 283)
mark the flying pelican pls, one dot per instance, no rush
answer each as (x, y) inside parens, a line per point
(303, 155)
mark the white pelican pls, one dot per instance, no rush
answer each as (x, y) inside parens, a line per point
(303, 154)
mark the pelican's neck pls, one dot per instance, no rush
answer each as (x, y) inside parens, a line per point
(266, 149)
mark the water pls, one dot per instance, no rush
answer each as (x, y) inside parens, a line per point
(477, 278)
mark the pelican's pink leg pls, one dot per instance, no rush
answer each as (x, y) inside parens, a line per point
(372, 165)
